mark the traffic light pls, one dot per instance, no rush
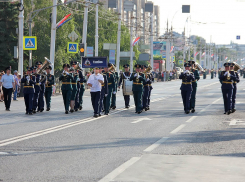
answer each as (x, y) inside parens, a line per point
(82, 50)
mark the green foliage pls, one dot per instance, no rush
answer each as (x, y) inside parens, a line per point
(8, 36)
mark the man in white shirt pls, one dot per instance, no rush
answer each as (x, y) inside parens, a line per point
(8, 85)
(95, 80)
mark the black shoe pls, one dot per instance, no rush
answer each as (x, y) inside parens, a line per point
(139, 112)
(76, 110)
(106, 113)
(99, 114)
(233, 110)
(48, 109)
(7, 109)
(96, 115)
(34, 111)
(80, 107)
(224, 112)
(187, 112)
(126, 107)
(229, 112)
(114, 107)
(41, 110)
(71, 110)
(30, 113)
(38, 110)
(193, 110)
(26, 112)
(66, 112)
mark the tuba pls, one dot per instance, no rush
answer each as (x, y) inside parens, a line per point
(147, 71)
(237, 67)
(112, 68)
(198, 67)
(46, 63)
(78, 66)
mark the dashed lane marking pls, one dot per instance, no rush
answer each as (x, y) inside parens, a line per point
(176, 130)
(156, 144)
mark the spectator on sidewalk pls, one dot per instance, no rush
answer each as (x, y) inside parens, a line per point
(16, 81)
(170, 75)
(7, 81)
(1, 91)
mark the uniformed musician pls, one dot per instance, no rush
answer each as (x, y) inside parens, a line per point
(40, 106)
(49, 87)
(125, 75)
(74, 88)
(114, 92)
(212, 73)
(66, 87)
(186, 87)
(234, 91)
(82, 89)
(104, 91)
(194, 86)
(146, 88)
(226, 78)
(36, 87)
(111, 88)
(138, 82)
(29, 82)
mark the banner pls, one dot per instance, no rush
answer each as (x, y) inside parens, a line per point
(92, 62)
(196, 53)
(112, 56)
(203, 54)
(90, 51)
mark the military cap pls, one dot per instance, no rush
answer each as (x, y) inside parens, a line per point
(73, 63)
(7, 68)
(96, 68)
(39, 63)
(28, 68)
(72, 69)
(126, 66)
(227, 64)
(187, 65)
(137, 66)
(109, 64)
(232, 64)
(192, 62)
(144, 66)
(66, 65)
(49, 67)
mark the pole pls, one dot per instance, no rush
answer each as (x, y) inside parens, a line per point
(119, 35)
(189, 53)
(167, 54)
(183, 56)
(152, 40)
(53, 35)
(131, 45)
(97, 31)
(85, 23)
(30, 34)
(21, 26)
(195, 50)
(205, 61)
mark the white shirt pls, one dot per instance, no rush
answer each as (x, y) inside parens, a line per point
(7, 81)
(96, 85)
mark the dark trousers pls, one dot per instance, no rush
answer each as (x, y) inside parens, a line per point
(28, 102)
(41, 100)
(186, 97)
(77, 99)
(66, 98)
(108, 100)
(149, 98)
(48, 95)
(227, 97)
(113, 100)
(145, 97)
(81, 96)
(193, 97)
(7, 92)
(102, 97)
(127, 100)
(234, 97)
(138, 100)
(35, 100)
(95, 99)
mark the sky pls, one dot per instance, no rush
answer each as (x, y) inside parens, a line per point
(220, 21)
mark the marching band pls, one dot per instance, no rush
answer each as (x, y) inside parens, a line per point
(105, 81)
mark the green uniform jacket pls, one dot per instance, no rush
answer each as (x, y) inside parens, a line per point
(138, 86)
(66, 81)
(49, 83)
(196, 76)
(74, 82)
(111, 81)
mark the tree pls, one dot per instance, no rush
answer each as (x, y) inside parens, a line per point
(8, 36)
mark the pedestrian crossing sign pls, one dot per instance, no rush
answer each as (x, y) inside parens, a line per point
(30, 43)
(72, 47)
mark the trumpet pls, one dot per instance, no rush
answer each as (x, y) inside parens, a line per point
(228, 75)
(137, 78)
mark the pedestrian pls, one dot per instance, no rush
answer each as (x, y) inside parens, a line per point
(170, 75)
(1, 92)
(7, 81)
(95, 80)
(16, 80)
(165, 75)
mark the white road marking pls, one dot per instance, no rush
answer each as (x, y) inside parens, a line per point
(176, 130)
(119, 170)
(235, 122)
(155, 145)
(140, 119)
(210, 105)
(191, 119)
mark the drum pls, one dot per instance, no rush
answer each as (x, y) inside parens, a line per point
(127, 87)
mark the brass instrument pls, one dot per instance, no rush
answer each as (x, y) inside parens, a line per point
(228, 75)
(137, 78)
(46, 63)
(112, 68)
(147, 71)
(198, 67)
(78, 66)
(237, 67)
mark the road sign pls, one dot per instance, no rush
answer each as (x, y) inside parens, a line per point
(73, 36)
(180, 62)
(30, 43)
(238, 37)
(90, 52)
(72, 47)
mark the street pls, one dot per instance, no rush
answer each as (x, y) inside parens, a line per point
(162, 144)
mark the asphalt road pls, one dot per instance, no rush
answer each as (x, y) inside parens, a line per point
(52, 146)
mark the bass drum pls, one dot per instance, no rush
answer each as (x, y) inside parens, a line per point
(127, 87)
